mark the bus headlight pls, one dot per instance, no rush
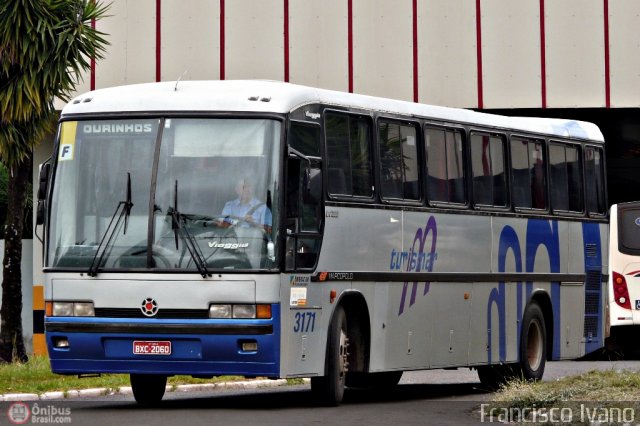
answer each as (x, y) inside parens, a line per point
(62, 309)
(220, 311)
(240, 311)
(70, 309)
(84, 309)
(244, 311)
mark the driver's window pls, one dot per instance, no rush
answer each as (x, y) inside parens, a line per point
(304, 194)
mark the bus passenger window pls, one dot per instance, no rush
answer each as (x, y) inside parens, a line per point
(528, 174)
(445, 166)
(594, 173)
(565, 177)
(348, 155)
(487, 161)
(398, 161)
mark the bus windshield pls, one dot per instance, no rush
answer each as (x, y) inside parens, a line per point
(204, 198)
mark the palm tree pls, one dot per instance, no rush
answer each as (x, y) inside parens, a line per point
(45, 45)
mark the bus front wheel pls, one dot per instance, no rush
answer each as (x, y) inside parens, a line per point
(148, 389)
(329, 389)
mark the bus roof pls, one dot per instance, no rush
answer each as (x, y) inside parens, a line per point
(279, 97)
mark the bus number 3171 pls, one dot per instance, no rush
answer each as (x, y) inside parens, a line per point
(304, 322)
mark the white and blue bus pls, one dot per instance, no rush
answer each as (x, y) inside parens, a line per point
(267, 229)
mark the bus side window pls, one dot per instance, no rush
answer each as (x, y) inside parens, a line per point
(528, 173)
(349, 155)
(445, 166)
(565, 177)
(488, 165)
(594, 173)
(399, 170)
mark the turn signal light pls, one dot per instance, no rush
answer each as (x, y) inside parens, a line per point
(263, 311)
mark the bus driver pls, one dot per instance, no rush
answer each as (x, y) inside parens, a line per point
(247, 207)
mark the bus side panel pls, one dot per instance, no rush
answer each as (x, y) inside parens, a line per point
(306, 313)
(398, 341)
(420, 329)
(493, 323)
(522, 246)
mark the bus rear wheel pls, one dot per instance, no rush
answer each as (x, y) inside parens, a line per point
(148, 389)
(532, 353)
(329, 389)
(533, 343)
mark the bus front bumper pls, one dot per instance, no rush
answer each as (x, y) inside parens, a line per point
(191, 347)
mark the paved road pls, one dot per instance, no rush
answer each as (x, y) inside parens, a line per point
(429, 397)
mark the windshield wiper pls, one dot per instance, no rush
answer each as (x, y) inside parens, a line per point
(178, 221)
(124, 207)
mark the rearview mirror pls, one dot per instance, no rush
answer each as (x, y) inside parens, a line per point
(43, 180)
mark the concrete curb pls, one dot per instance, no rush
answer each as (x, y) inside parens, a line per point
(126, 390)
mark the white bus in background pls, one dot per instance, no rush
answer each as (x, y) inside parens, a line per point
(377, 236)
(624, 278)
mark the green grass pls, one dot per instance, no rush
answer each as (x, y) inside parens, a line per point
(596, 390)
(35, 376)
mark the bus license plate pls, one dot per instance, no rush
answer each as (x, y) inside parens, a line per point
(151, 347)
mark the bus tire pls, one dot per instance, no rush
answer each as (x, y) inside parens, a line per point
(533, 343)
(148, 389)
(329, 389)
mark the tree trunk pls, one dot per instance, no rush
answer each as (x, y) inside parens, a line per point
(11, 338)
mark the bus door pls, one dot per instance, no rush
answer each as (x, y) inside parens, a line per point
(303, 349)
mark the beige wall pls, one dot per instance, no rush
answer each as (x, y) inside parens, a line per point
(317, 49)
(253, 45)
(575, 53)
(624, 21)
(511, 53)
(447, 53)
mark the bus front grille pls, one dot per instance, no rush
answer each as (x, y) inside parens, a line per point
(161, 314)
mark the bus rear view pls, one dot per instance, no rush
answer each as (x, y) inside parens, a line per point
(624, 279)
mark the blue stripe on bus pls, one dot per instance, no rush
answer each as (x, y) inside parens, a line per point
(539, 233)
(545, 233)
(197, 354)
